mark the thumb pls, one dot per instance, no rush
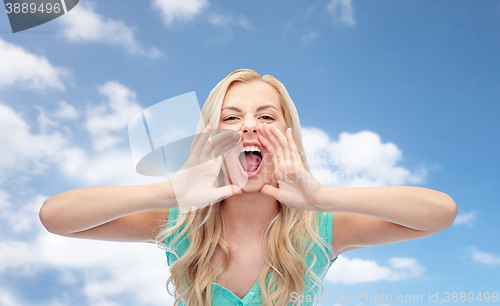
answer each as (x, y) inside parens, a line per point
(270, 190)
(218, 163)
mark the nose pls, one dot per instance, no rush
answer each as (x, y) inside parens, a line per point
(249, 126)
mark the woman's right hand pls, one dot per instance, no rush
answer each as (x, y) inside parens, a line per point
(134, 213)
(193, 184)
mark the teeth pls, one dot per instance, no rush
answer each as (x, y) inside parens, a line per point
(250, 149)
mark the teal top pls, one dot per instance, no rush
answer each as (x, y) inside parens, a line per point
(223, 297)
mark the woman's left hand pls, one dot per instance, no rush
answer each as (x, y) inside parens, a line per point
(296, 186)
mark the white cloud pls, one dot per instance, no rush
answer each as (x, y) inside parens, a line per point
(19, 67)
(228, 23)
(128, 272)
(106, 168)
(309, 37)
(356, 160)
(174, 10)
(485, 258)
(353, 271)
(108, 121)
(4, 199)
(21, 218)
(65, 111)
(44, 121)
(22, 150)
(84, 24)
(15, 257)
(226, 20)
(8, 299)
(465, 219)
(107, 125)
(106, 272)
(342, 11)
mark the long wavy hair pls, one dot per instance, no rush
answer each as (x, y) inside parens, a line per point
(292, 233)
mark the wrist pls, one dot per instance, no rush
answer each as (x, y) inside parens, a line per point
(166, 195)
(328, 198)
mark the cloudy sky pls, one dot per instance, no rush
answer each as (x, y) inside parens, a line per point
(388, 92)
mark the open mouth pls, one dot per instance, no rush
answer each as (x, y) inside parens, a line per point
(250, 159)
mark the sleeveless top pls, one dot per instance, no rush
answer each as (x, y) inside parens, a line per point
(223, 297)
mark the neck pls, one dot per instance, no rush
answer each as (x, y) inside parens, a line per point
(248, 213)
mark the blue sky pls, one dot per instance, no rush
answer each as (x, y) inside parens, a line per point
(415, 82)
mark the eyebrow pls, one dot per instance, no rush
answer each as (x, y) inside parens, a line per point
(258, 109)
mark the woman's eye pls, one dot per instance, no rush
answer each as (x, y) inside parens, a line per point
(230, 118)
(265, 117)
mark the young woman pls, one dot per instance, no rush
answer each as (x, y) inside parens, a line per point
(274, 233)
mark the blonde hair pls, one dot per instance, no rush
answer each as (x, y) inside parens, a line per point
(292, 232)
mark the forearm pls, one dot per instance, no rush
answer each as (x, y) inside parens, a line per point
(414, 207)
(80, 209)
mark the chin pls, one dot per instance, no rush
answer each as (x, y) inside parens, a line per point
(253, 185)
(249, 189)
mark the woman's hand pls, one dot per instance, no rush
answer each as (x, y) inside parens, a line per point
(296, 186)
(193, 184)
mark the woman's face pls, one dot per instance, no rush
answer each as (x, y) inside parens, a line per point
(246, 107)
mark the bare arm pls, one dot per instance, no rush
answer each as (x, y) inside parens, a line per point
(135, 213)
(382, 215)
(124, 213)
(363, 216)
